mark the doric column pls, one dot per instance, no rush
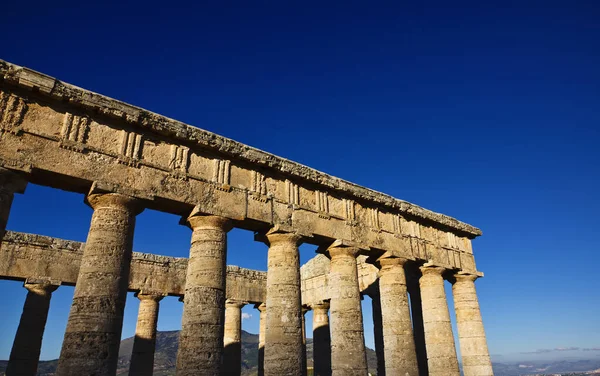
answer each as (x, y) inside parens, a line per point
(262, 308)
(232, 340)
(283, 332)
(201, 336)
(144, 342)
(398, 339)
(441, 351)
(10, 183)
(416, 308)
(377, 328)
(91, 342)
(321, 340)
(304, 364)
(471, 335)
(25, 352)
(348, 356)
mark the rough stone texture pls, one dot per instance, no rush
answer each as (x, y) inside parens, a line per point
(70, 138)
(26, 256)
(10, 183)
(399, 345)
(321, 339)
(416, 307)
(471, 335)
(262, 308)
(283, 333)
(304, 364)
(144, 343)
(25, 352)
(348, 356)
(201, 336)
(377, 328)
(232, 339)
(93, 335)
(441, 351)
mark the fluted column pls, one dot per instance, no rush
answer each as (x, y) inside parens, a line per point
(471, 335)
(399, 344)
(10, 183)
(93, 335)
(348, 356)
(414, 291)
(283, 332)
(377, 329)
(201, 336)
(441, 351)
(144, 342)
(25, 353)
(321, 340)
(232, 340)
(262, 308)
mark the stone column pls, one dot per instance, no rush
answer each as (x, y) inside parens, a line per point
(441, 351)
(471, 335)
(91, 342)
(232, 340)
(348, 356)
(201, 336)
(262, 308)
(417, 317)
(399, 344)
(25, 352)
(283, 331)
(321, 340)
(144, 343)
(378, 330)
(10, 183)
(304, 364)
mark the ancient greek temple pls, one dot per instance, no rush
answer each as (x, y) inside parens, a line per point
(126, 159)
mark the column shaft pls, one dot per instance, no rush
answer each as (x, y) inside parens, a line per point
(261, 338)
(10, 183)
(25, 353)
(378, 333)
(232, 340)
(399, 345)
(321, 340)
(418, 326)
(348, 356)
(201, 336)
(144, 343)
(441, 351)
(471, 335)
(91, 342)
(283, 332)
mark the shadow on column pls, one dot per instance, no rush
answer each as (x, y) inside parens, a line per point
(143, 350)
(414, 292)
(230, 352)
(322, 351)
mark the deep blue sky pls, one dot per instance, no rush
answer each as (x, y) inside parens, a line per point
(486, 111)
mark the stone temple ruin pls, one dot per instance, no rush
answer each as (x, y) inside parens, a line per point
(126, 159)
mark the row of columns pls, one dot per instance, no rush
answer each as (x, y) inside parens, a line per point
(92, 338)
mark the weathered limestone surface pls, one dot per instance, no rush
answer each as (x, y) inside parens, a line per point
(64, 136)
(25, 352)
(321, 339)
(441, 351)
(378, 331)
(144, 343)
(262, 308)
(93, 335)
(283, 332)
(399, 345)
(348, 356)
(26, 256)
(10, 183)
(232, 339)
(416, 308)
(201, 336)
(471, 335)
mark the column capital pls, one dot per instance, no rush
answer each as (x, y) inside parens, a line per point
(261, 307)
(320, 306)
(198, 220)
(40, 288)
(114, 200)
(231, 303)
(387, 263)
(305, 308)
(11, 181)
(277, 235)
(144, 295)
(430, 269)
(341, 248)
(465, 276)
